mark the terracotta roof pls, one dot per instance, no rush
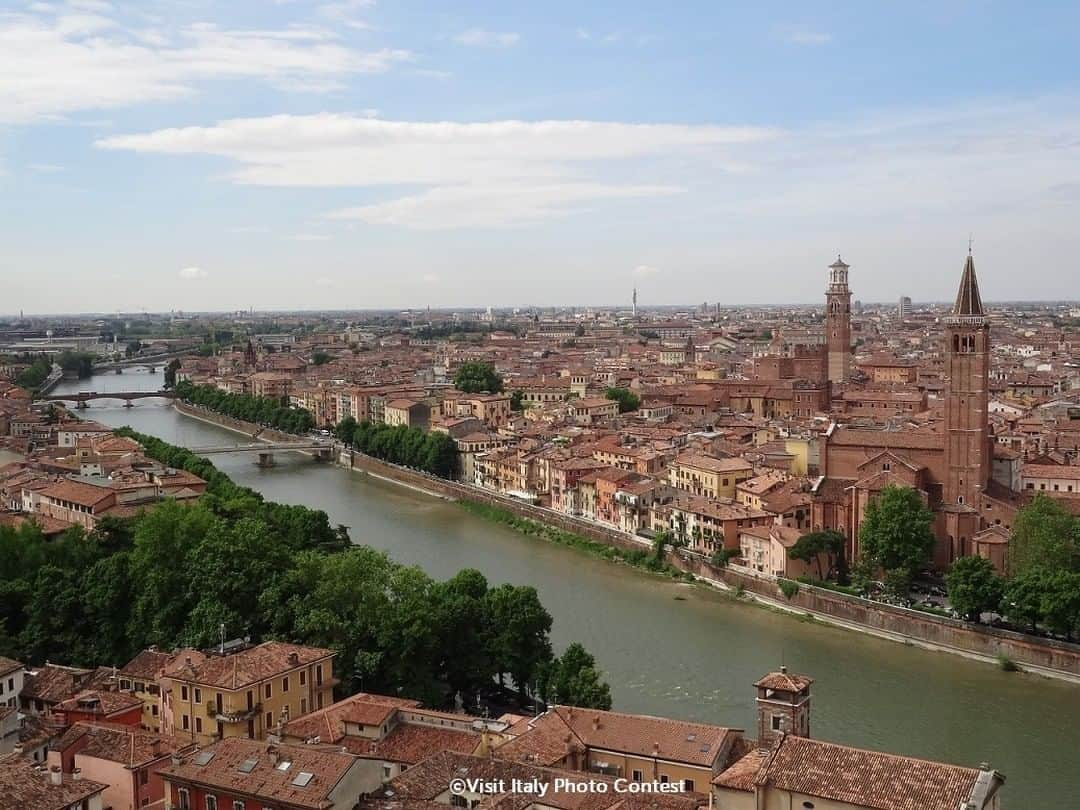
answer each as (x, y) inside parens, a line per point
(26, 789)
(128, 745)
(784, 682)
(53, 683)
(147, 664)
(742, 775)
(244, 668)
(78, 492)
(100, 702)
(413, 742)
(865, 778)
(8, 665)
(263, 776)
(328, 724)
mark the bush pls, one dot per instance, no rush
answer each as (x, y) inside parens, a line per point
(789, 588)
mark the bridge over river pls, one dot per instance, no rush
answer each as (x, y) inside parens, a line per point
(82, 398)
(322, 451)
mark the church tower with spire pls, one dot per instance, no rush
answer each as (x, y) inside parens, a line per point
(838, 322)
(968, 459)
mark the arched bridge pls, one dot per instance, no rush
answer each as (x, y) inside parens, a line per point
(83, 397)
(322, 451)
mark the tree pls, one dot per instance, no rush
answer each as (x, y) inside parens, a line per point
(518, 641)
(896, 532)
(573, 680)
(1044, 535)
(627, 399)
(320, 358)
(170, 373)
(516, 401)
(974, 587)
(1023, 599)
(1061, 602)
(345, 429)
(474, 377)
(813, 546)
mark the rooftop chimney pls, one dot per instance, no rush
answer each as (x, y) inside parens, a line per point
(294, 659)
(55, 777)
(783, 670)
(76, 774)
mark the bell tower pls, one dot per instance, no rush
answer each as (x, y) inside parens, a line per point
(838, 322)
(967, 422)
(783, 706)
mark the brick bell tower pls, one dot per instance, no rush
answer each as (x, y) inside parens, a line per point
(838, 322)
(968, 458)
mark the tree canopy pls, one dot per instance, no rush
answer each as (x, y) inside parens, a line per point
(814, 546)
(174, 574)
(627, 399)
(1046, 536)
(896, 533)
(974, 587)
(475, 377)
(247, 407)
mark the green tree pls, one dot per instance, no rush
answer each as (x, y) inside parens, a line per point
(517, 401)
(1044, 535)
(320, 358)
(474, 377)
(170, 373)
(1061, 602)
(974, 587)
(813, 546)
(896, 533)
(574, 680)
(1023, 599)
(518, 641)
(627, 399)
(345, 429)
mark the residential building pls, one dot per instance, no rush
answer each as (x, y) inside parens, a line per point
(708, 476)
(23, 786)
(244, 691)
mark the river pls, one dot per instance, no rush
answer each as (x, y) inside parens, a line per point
(677, 650)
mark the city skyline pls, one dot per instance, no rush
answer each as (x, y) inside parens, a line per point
(362, 155)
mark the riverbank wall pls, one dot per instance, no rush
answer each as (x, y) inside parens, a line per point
(989, 644)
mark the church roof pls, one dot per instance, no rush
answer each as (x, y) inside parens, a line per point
(968, 301)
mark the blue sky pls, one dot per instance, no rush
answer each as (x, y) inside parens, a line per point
(291, 154)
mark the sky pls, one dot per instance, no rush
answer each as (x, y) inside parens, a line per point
(349, 154)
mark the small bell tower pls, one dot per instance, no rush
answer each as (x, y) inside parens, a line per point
(838, 322)
(783, 706)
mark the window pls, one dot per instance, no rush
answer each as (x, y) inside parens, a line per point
(303, 705)
(269, 719)
(285, 684)
(183, 798)
(303, 677)
(266, 692)
(458, 801)
(198, 695)
(638, 776)
(185, 722)
(663, 779)
(124, 684)
(688, 785)
(154, 710)
(183, 693)
(144, 777)
(211, 803)
(318, 675)
(777, 722)
(198, 725)
(238, 805)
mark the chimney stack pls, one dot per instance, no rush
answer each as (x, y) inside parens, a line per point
(55, 776)
(294, 659)
(76, 774)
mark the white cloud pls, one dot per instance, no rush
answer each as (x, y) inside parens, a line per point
(582, 33)
(479, 174)
(643, 270)
(803, 35)
(65, 60)
(478, 37)
(44, 168)
(193, 273)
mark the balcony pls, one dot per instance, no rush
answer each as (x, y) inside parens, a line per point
(228, 715)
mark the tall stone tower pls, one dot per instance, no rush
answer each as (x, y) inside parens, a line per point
(968, 459)
(838, 322)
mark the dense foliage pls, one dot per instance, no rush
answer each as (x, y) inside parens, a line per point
(433, 452)
(896, 536)
(248, 407)
(974, 587)
(173, 575)
(35, 374)
(573, 679)
(627, 399)
(1044, 536)
(816, 546)
(475, 377)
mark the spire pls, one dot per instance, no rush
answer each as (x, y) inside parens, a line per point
(968, 301)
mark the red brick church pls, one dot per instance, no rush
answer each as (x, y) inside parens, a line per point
(949, 461)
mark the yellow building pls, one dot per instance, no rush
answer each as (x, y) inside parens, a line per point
(244, 692)
(708, 476)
